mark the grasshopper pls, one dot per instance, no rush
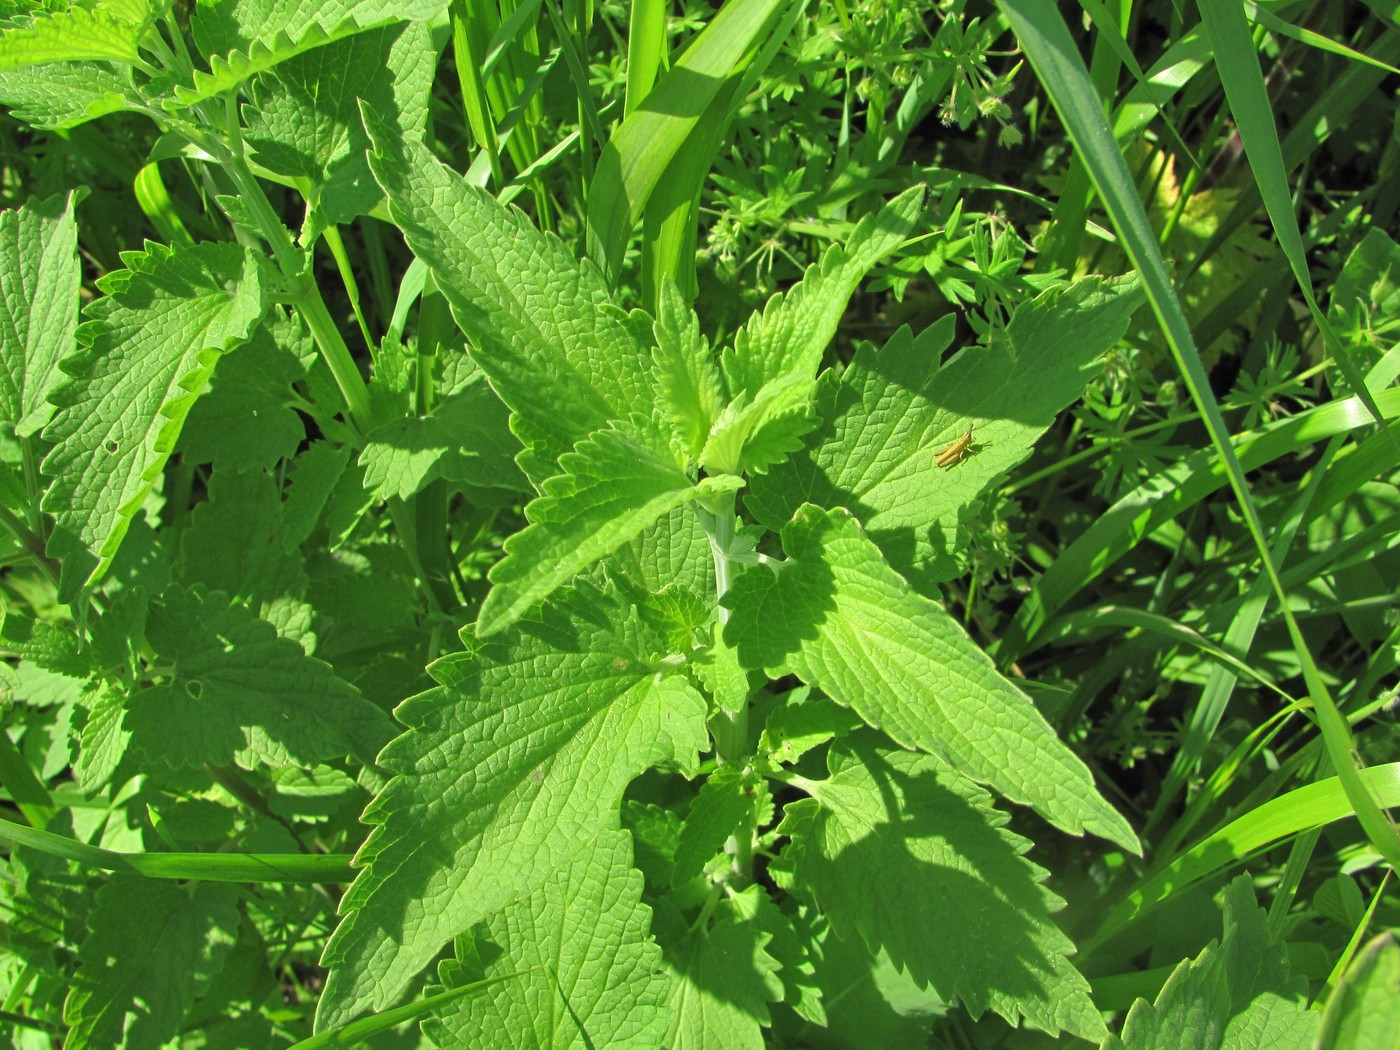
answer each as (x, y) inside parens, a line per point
(955, 452)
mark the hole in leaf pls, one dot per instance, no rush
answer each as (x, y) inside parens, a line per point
(194, 690)
(111, 447)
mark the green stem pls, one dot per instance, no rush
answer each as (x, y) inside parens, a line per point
(332, 345)
(208, 867)
(730, 728)
(307, 300)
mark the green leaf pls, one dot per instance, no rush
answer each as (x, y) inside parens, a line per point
(725, 798)
(238, 692)
(893, 411)
(1363, 1012)
(66, 94)
(877, 1004)
(314, 477)
(103, 741)
(1366, 294)
(108, 31)
(753, 434)
(463, 439)
(1237, 995)
(590, 974)
(722, 980)
(245, 418)
(837, 616)
(790, 334)
(223, 27)
(155, 946)
(304, 121)
(912, 856)
(565, 360)
(504, 774)
(674, 551)
(147, 349)
(801, 723)
(38, 306)
(235, 542)
(686, 373)
(612, 488)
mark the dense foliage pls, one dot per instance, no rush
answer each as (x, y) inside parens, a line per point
(783, 524)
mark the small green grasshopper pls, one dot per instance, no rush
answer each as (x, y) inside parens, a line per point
(955, 452)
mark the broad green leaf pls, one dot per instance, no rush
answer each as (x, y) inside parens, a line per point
(230, 25)
(837, 616)
(147, 349)
(1235, 995)
(655, 834)
(722, 801)
(877, 1004)
(722, 980)
(155, 946)
(463, 439)
(913, 857)
(239, 693)
(66, 94)
(234, 542)
(1363, 1012)
(39, 279)
(504, 774)
(245, 418)
(612, 488)
(673, 551)
(894, 410)
(564, 359)
(107, 31)
(304, 120)
(589, 972)
(686, 373)
(789, 335)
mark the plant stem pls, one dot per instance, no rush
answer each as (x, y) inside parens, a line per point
(730, 728)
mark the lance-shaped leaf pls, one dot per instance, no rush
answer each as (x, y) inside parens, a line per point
(587, 972)
(893, 410)
(241, 693)
(900, 849)
(686, 373)
(155, 945)
(790, 334)
(544, 329)
(613, 487)
(148, 347)
(39, 279)
(506, 772)
(837, 616)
